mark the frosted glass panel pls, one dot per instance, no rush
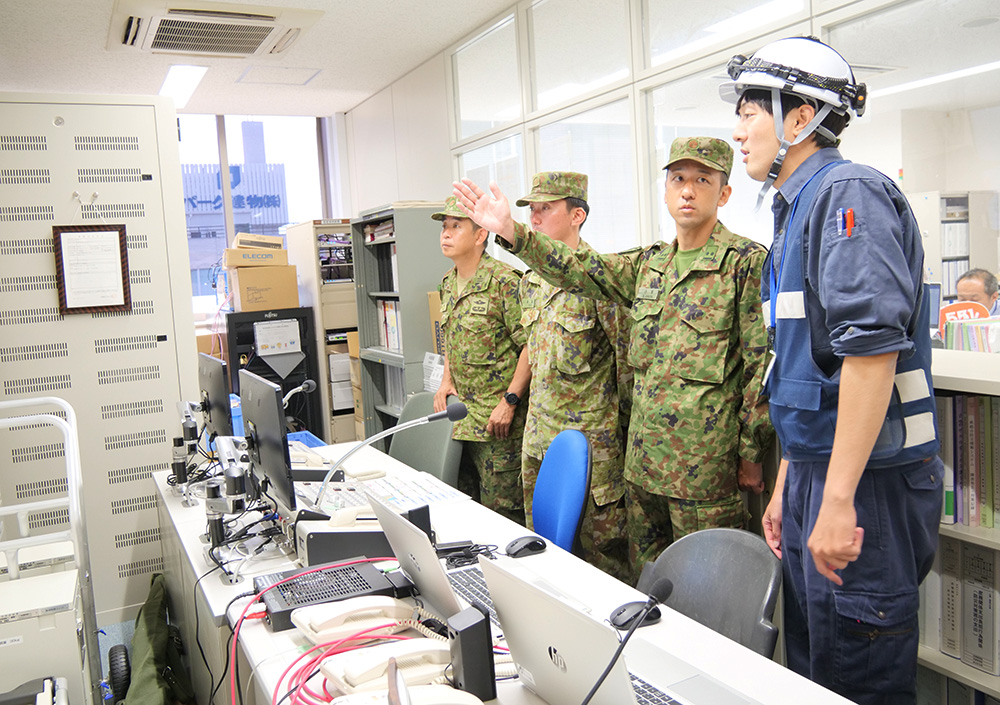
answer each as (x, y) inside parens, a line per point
(486, 81)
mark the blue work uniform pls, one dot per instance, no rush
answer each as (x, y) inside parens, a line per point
(844, 278)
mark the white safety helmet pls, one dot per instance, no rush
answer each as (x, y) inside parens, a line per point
(801, 66)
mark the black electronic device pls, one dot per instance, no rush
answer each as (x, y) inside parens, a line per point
(267, 439)
(338, 582)
(471, 644)
(213, 385)
(525, 546)
(623, 617)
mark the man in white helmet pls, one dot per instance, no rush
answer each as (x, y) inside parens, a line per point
(855, 512)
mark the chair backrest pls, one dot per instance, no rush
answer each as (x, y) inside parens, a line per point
(726, 579)
(561, 490)
(429, 447)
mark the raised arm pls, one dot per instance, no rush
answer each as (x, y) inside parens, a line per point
(489, 211)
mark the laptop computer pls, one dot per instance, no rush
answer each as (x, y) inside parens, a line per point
(560, 652)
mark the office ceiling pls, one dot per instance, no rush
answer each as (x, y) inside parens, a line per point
(355, 49)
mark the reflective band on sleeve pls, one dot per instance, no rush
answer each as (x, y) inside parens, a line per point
(790, 304)
(912, 386)
(919, 429)
(765, 307)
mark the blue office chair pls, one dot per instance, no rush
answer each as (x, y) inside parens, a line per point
(726, 579)
(562, 488)
(430, 447)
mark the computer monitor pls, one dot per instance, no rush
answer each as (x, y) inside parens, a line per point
(264, 427)
(933, 291)
(213, 383)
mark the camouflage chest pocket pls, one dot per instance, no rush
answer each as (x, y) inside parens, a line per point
(476, 339)
(699, 350)
(575, 344)
(529, 316)
(646, 318)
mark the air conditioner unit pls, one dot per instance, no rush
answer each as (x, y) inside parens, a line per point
(206, 28)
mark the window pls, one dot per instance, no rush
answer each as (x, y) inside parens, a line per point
(487, 82)
(502, 162)
(598, 143)
(563, 65)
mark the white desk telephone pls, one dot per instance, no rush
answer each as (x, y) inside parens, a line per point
(419, 695)
(421, 661)
(337, 620)
(301, 455)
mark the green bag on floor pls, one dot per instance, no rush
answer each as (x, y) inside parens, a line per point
(159, 676)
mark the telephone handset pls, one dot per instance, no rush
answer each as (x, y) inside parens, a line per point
(421, 661)
(419, 695)
(335, 620)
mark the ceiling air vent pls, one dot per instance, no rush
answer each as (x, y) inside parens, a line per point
(205, 28)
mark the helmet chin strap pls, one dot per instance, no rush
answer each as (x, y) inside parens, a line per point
(784, 144)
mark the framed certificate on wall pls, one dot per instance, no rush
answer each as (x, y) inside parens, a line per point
(91, 268)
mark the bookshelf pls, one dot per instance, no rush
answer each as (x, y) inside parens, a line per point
(397, 261)
(958, 233)
(323, 254)
(966, 373)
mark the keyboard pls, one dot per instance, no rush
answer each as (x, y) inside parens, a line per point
(646, 694)
(470, 585)
(405, 493)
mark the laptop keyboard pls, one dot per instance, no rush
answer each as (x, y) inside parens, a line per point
(645, 694)
(470, 585)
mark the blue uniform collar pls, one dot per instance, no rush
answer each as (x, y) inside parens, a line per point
(790, 189)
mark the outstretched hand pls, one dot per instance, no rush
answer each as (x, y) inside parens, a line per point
(490, 212)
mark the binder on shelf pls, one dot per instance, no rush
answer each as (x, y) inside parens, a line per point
(979, 608)
(950, 551)
(946, 432)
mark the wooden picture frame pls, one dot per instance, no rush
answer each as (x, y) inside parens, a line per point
(91, 268)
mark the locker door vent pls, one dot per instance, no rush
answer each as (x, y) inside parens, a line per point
(31, 454)
(37, 282)
(139, 308)
(27, 246)
(30, 315)
(109, 176)
(106, 143)
(32, 426)
(112, 211)
(137, 538)
(137, 242)
(137, 474)
(131, 409)
(27, 353)
(40, 488)
(140, 276)
(36, 385)
(57, 518)
(129, 343)
(133, 504)
(146, 567)
(135, 440)
(25, 214)
(14, 177)
(132, 374)
(22, 143)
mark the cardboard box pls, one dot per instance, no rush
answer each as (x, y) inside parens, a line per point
(434, 308)
(342, 395)
(252, 240)
(353, 348)
(213, 344)
(355, 364)
(359, 406)
(359, 428)
(255, 257)
(263, 288)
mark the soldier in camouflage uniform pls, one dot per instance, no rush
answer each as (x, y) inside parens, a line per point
(699, 423)
(486, 363)
(572, 344)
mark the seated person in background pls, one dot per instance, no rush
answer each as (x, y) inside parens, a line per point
(485, 364)
(980, 286)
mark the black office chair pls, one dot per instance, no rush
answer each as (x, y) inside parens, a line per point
(430, 447)
(726, 579)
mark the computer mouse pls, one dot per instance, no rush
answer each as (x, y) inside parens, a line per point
(525, 546)
(624, 616)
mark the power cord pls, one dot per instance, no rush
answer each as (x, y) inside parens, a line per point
(469, 555)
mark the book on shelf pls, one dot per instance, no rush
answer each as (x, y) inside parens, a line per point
(946, 425)
(382, 230)
(929, 617)
(950, 551)
(985, 461)
(392, 324)
(979, 608)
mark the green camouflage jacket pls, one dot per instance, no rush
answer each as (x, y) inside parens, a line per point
(482, 340)
(697, 348)
(572, 346)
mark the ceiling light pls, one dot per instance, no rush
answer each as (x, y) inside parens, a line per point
(979, 22)
(181, 82)
(932, 80)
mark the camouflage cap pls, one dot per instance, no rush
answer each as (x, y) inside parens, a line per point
(452, 210)
(713, 153)
(555, 185)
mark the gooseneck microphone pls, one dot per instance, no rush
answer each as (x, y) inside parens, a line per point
(659, 592)
(308, 386)
(453, 412)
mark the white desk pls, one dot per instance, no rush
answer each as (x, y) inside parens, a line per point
(269, 653)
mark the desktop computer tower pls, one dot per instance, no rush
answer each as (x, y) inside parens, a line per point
(265, 343)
